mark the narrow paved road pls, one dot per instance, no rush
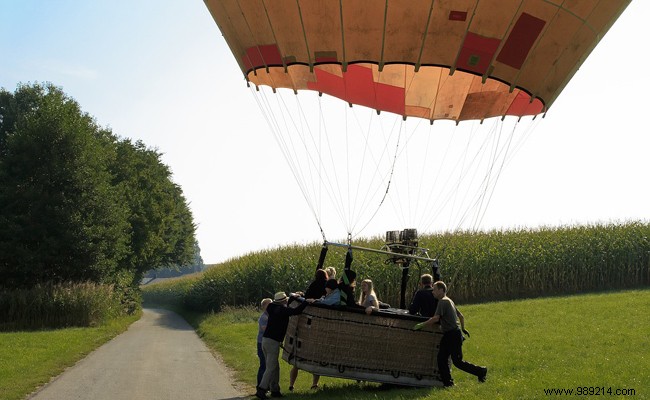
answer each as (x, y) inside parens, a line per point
(159, 357)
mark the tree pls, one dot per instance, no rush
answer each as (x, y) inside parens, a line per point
(61, 219)
(162, 227)
(196, 265)
(77, 203)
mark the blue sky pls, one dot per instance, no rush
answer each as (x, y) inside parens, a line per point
(161, 72)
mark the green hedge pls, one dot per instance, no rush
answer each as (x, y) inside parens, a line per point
(483, 266)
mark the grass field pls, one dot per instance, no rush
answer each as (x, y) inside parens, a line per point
(594, 340)
(29, 359)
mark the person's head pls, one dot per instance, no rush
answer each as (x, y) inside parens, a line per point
(320, 275)
(280, 298)
(264, 303)
(331, 272)
(331, 286)
(426, 280)
(366, 286)
(439, 290)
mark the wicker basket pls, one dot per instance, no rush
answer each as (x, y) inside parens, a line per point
(347, 343)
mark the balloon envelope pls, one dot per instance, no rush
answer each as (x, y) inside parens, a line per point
(432, 59)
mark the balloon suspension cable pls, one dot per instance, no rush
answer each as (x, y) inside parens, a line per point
(274, 124)
(390, 179)
(322, 232)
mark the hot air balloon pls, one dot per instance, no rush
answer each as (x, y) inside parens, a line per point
(432, 60)
(458, 60)
(400, 62)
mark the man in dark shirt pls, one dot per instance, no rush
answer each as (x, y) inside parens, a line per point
(451, 343)
(424, 302)
(273, 337)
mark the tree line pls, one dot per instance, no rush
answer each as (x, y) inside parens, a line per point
(77, 202)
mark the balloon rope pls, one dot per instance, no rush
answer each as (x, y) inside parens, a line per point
(485, 183)
(478, 195)
(317, 164)
(372, 189)
(480, 217)
(264, 105)
(392, 169)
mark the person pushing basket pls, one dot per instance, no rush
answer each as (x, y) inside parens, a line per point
(451, 343)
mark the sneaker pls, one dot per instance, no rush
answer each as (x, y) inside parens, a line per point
(291, 388)
(314, 387)
(448, 384)
(261, 394)
(483, 375)
(276, 394)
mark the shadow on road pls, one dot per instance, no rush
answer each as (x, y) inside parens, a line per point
(166, 319)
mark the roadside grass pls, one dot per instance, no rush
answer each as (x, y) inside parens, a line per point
(29, 359)
(592, 340)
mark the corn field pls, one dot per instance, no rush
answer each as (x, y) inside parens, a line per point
(478, 266)
(58, 306)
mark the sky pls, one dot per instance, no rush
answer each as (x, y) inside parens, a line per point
(160, 71)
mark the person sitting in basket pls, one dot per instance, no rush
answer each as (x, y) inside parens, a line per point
(332, 294)
(424, 302)
(368, 298)
(331, 272)
(347, 283)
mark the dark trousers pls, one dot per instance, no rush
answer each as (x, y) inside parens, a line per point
(262, 368)
(452, 345)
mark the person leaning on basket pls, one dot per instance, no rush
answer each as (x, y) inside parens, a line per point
(316, 290)
(276, 328)
(452, 337)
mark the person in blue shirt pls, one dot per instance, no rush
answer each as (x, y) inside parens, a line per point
(261, 327)
(332, 294)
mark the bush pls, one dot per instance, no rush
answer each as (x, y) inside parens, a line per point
(58, 306)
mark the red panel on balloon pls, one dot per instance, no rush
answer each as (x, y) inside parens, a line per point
(477, 52)
(262, 56)
(521, 40)
(522, 106)
(328, 83)
(357, 86)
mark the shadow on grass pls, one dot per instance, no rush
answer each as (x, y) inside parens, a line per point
(354, 390)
